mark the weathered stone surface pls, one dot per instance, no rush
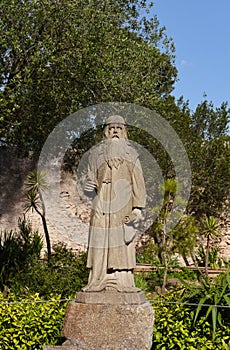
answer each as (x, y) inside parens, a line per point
(107, 327)
(67, 222)
(110, 297)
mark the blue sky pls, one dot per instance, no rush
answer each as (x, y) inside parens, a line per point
(201, 32)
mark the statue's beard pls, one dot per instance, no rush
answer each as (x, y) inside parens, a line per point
(116, 150)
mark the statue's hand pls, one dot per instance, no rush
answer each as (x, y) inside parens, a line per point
(90, 186)
(136, 216)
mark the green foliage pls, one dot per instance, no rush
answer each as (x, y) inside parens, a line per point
(29, 323)
(213, 292)
(214, 259)
(184, 274)
(65, 274)
(60, 56)
(150, 281)
(21, 268)
(147, 253)
(141, 282)
(174, 328)
(17, 251)
(209, 155)
(210, 229)
(185, 236)
(210, 124)
(35, 184)
(181, 239)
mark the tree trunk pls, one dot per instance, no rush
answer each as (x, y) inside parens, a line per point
(48, 245)
(207, 255)
(164, 259)
(45, 228)
(163, 288)
(185, 260)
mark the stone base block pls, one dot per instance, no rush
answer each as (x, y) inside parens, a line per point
(107, 327)
(110, 297)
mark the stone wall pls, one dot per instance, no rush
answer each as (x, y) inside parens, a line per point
(12, 176)
(69, 224)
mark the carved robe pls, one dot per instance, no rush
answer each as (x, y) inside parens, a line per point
(119, 188)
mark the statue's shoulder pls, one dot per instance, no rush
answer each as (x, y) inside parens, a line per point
(132, 151)
(96, 150)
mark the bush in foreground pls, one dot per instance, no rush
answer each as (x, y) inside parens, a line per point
(65, 274)
(174, 328)
(30, 323)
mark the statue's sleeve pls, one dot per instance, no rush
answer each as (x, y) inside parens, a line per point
(138, 184)
(90, 187)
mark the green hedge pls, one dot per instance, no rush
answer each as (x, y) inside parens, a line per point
(174, 329)
(30, 323)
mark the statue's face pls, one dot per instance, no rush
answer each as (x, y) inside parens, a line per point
(115, 131)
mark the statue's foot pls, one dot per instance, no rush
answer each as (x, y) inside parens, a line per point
(131, 290)
(98, 286)
(110, 288)
(92, 288)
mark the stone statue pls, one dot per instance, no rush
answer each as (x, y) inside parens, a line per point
(110, 310)
(116, 185)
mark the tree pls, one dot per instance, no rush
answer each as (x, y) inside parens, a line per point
(60, 56)
(180, 239)
(35, 184)
(170, 188)
(162, 237)
(209, 154)
(210, 229)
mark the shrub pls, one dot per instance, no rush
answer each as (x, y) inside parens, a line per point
(141, 281)
(64, 274)
(30, 323)
(174, 328)
(17, 251)
(214, 292)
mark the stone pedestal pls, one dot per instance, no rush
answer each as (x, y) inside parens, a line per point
(107, 321)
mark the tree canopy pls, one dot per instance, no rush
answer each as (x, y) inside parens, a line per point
(59, 56)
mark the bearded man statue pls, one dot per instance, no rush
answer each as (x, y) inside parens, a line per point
(116, 185)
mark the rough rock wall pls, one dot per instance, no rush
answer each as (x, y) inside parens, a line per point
(12, 176)
(73, 212)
